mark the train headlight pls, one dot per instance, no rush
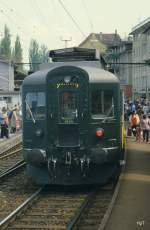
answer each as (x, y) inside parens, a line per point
(39, 132)
(99, 132)
(67, 79)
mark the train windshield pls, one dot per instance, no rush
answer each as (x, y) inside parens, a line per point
(35, 105)
(102, 104)
(68, 108)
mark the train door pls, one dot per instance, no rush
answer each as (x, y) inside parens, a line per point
(67, 107)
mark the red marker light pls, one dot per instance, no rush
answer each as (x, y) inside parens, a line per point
(100, 132)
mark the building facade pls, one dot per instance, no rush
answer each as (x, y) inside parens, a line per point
(119, 57)
(141, 55)
(115, 51)
(8, 97)
(6, 76)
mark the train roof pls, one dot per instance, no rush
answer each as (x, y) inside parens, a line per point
(94, 70)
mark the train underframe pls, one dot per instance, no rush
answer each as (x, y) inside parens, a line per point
(94, 169)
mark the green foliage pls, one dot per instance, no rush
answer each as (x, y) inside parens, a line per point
(34, 56)
(5, 44)
(37, 55)
(17, 53)
(43, 54)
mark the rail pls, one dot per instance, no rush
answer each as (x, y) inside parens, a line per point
(4, 154)
(79, 212)
(12, 169)
(24, 205)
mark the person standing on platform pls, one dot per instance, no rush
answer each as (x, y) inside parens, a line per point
(145, 128)
(13, 120)
(134, 122)
(4, 125)
(149, 124)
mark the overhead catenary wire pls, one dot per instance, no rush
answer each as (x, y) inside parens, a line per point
(9, 18)
(41, 14)
(87, 13)
(71, 17)
(141, 64)
(11, 9)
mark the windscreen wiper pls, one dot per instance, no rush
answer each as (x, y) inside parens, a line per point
(33, 119)
(109, 112)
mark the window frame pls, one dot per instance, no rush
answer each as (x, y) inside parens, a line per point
(44, 106)
(102, 116)
(60, 117)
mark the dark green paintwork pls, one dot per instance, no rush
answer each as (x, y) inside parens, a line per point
(85, 126)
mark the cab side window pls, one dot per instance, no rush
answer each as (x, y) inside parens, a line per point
(102, 103)
(35, 105)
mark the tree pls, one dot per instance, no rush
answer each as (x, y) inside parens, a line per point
(5, 45)
(34, 55)
(17, 53)
(43, 54)
(37, 55)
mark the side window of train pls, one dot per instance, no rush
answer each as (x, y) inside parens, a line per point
(35, 105)
(102, 104)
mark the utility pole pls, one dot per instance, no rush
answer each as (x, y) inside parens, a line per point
(66, 40)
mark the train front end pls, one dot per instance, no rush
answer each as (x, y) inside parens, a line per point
(68, 125)
(76, 137)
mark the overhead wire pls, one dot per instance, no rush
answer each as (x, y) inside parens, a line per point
(71, 17)
(41, 16)
(58, 18)
(40, 13)
(73, 20)
(19, 29)
(12, 10)
(10, 17)
(13, 21)
(38, 16)
(7, 12)
(87, 14)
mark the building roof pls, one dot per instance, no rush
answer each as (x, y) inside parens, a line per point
(141, 27)
(107, 39)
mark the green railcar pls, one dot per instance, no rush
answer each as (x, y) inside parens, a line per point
(72, 124)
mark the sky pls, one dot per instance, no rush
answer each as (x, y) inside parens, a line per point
(52, 21)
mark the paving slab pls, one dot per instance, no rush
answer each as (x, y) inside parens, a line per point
(132, 207)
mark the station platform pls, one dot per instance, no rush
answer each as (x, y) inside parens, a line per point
(131, 210)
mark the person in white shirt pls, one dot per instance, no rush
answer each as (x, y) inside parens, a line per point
(145, 127)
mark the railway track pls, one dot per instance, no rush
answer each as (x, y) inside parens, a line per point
(47, 209)
(14, 190)
(10, 159)
(7, 144)
(8, 152)
(95, 212)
